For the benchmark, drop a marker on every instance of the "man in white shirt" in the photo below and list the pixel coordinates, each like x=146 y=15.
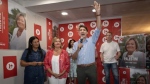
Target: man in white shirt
x=110 y=52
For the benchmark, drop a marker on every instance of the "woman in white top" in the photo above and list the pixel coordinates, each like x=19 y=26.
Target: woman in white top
x=18 y=40
x=57 y=63
x=73 y=64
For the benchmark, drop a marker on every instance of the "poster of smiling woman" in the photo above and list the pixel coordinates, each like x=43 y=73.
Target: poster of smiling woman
x=133 y=51
x=17 y=26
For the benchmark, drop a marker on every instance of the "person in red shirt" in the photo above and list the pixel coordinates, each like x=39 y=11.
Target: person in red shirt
x=57 y=63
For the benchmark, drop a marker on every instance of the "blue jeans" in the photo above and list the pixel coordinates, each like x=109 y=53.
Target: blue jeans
x=114 y=68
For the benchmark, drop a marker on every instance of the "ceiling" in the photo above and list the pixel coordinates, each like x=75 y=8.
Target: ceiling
x=82 y=9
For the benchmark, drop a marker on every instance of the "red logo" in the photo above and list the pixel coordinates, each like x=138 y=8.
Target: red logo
x=9 y=66
x=37 y=31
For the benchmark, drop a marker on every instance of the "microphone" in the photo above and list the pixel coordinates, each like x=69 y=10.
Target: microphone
x=81 y=41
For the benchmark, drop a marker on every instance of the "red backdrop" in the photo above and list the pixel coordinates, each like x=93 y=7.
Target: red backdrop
x=69 y=30
x=4 y=24
x=49 y=32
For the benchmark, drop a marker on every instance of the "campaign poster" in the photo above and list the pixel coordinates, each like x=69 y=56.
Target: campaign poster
x=17 y=26
x=9 y=66
x=4 y=42
x=132 y=51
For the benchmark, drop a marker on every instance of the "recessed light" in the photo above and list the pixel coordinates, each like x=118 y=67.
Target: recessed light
x=93 y=10
x=64 y=13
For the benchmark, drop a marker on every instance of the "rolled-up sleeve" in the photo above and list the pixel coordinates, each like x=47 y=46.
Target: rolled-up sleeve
x=95 y=35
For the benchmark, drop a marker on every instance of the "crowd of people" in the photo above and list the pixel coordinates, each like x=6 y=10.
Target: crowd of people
x=77 y=61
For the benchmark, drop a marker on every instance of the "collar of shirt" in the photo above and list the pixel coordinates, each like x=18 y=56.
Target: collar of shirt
x=84 y=41
x=35 y=51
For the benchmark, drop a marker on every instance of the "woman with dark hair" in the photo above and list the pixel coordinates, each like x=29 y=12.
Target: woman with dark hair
x=32 y=59
x=57 y=63
x=132 y=58
x=141 y=80
x=73 y=63
x=18 y=40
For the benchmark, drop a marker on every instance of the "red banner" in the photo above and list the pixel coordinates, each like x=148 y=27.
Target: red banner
x=124 y=76
x=9 y=66
x=37 y=31
x=4 y=24
x=49 y=32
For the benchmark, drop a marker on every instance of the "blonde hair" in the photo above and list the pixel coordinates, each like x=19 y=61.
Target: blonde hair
x=23 y=15
x=136 y=43
x=53 y=41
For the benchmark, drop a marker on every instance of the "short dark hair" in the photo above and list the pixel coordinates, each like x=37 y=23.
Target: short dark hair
x=83 y=27
x=109 y=32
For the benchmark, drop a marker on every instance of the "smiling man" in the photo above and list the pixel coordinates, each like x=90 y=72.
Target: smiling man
x=84 y=51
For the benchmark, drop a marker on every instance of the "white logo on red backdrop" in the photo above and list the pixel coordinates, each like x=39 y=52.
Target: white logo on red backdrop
x=70 y=34
x=49 y=23
x=70 y=26
x=105 y=31
x=93 y=24
x=116 y=24
x=124 y=72
x=62 y=40
x=92 y=31
x=49 y=34
x=9 y=66
x=105 y=23
x=1 y=2
x=103 y=72
x=103 y=79
x=124 y=76
x=38 y=32
x=61 y=29
x=116 y=37
x=104 y=39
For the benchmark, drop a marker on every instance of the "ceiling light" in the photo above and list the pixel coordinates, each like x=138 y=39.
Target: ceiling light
x=64 y=13
x=93 y=10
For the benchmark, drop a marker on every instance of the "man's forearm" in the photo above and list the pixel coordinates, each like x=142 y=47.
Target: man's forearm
x=98 y=19
x=101 y=55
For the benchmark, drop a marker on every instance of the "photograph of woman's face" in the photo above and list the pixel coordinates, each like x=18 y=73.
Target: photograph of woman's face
x=57 y=43
x=141 y=80
x=131 y=46
x=21 y=22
